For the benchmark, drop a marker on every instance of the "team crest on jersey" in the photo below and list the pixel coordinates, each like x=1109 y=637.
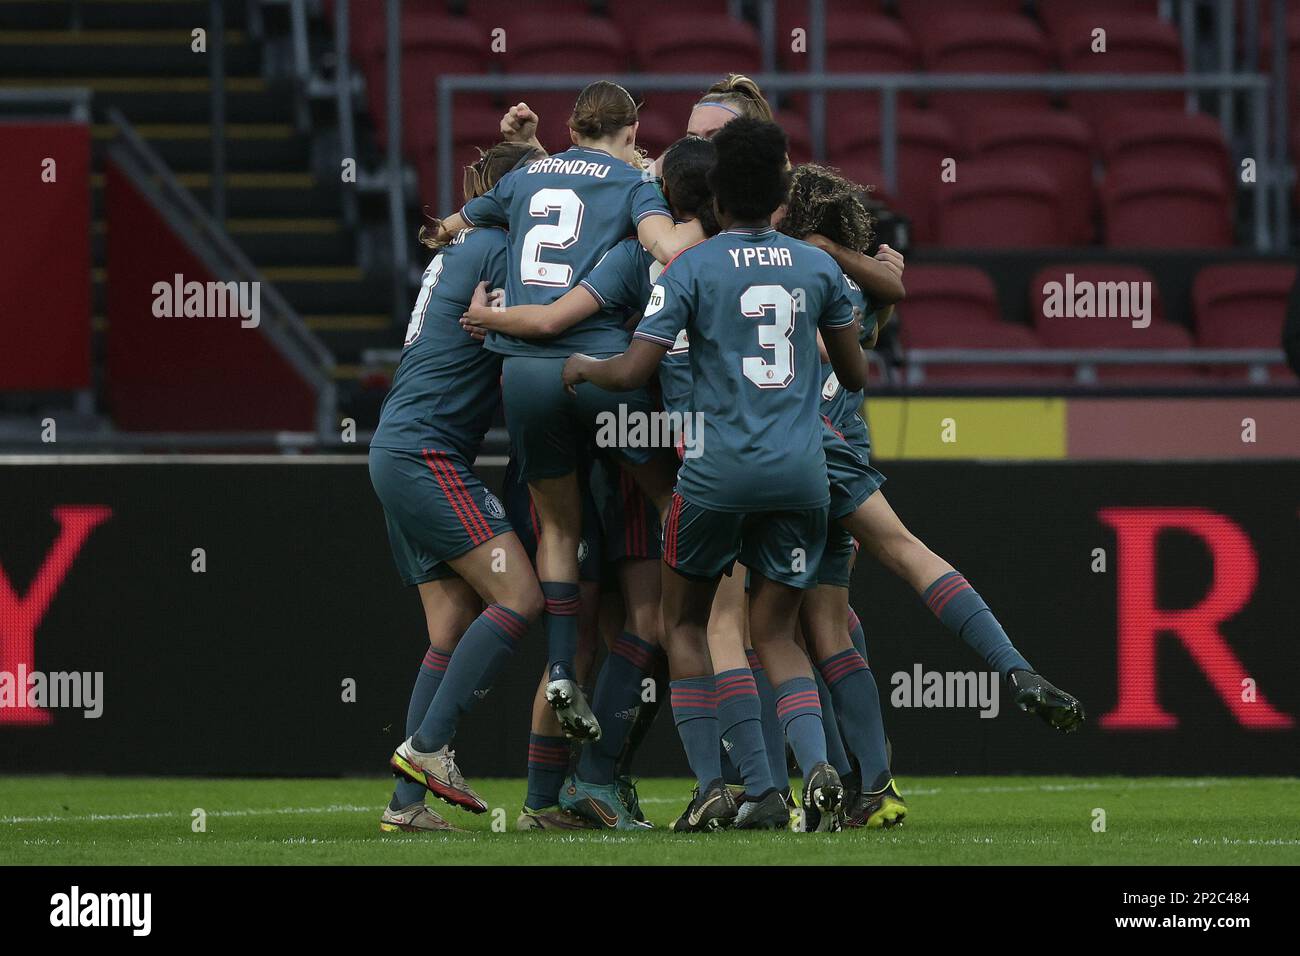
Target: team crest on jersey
x=583 y=550
x=493 y=505
x=680 y=344
x=830 y=388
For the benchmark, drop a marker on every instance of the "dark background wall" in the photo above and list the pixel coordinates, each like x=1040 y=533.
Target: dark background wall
x=239 y=670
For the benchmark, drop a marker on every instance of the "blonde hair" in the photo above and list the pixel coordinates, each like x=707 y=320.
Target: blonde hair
x=480 y=176
x=739 y=93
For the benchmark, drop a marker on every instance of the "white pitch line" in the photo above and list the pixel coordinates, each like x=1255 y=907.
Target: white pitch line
x=271 y=811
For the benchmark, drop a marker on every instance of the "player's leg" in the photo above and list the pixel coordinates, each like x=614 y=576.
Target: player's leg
x=699 y=546
x=499 y=572
x=960 y=608
x=783 y=551
x=450 y=606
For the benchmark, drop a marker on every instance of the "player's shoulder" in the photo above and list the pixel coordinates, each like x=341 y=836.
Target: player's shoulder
x=479 y=239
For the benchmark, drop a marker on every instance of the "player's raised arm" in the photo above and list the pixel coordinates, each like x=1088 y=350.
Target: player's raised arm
x=528 y=321
x=519 y=125
x=621 y=373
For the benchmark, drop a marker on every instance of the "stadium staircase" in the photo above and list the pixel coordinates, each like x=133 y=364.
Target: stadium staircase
x=282 y=210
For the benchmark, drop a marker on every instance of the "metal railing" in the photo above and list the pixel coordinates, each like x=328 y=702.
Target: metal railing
x=72 y=102
x=1087 y=361
x=212 y=245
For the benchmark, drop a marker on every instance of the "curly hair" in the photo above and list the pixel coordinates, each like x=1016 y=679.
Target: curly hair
x=824 y=202
x=751 y=176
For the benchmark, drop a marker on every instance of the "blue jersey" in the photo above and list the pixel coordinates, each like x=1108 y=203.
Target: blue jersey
x=565 y=212
x=623 y=278
x=751 y=301
x=447 y=385
x=837 y=403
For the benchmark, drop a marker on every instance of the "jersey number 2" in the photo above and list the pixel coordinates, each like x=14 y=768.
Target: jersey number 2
x=757 y=302
x=557 y=235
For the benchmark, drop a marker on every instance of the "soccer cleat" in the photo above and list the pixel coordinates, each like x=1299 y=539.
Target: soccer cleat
x=768 y=812
x=571 y=709
x=823 y=800
x=714 y=809
x=438 y=773
x=1033 y=694
x=883 y=809
x=417 y=818
x=600 y=804
x=628 y=795
x=551 y=818
x=852 y=784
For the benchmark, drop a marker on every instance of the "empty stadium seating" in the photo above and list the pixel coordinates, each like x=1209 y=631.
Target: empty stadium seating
x=1243 y=305
x=1134 y=44
x=962 y=42
x=998 y=205
x=1150 y=204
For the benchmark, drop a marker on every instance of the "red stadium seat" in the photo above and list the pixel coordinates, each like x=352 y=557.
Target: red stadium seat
x=997 y=205
x=1058 y=143
x=431 y=47
x=701 y=44
x=634 y=17
x=925 y=140
x=1147 y=205
x=965 y=42
x=1113 y=331
x=956 y=307
x=1241 y=305
x=505 y=13
x=796 y=128
x=1057 y=14
x=1165 y=136
x=922 y=16
x=473 y=128
x=1134 y=44
x=856 y=43
x=656 y=133
x=560 y=44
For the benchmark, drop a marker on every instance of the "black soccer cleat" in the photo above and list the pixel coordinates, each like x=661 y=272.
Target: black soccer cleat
x=1034 y=694
x=714 y=809
x=879 y=809
x=768 y=812
x=823 y=800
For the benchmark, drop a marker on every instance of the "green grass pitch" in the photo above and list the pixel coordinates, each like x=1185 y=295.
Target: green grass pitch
x=986 y=820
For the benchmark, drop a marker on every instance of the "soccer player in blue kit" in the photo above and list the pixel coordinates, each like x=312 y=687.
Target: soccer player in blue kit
x=449 y=534
x=563 y=213
x=751 y=302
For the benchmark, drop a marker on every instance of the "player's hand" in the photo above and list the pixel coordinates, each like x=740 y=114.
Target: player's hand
x=519 y=125
x=477 y=319
x=892 y=260
x=575 y=371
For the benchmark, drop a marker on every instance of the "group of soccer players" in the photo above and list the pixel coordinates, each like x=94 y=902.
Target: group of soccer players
x=716 y=286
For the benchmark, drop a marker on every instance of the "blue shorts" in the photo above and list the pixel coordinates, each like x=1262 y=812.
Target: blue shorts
x=435 y=507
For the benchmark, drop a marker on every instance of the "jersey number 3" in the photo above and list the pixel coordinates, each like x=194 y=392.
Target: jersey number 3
x=761 y=301
x=557 y=235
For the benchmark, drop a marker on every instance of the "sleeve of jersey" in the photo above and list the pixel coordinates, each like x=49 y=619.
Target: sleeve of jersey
x=838 y=311
x=648 y=201
x=609 y=281
x=666 y=313
x=490 y=209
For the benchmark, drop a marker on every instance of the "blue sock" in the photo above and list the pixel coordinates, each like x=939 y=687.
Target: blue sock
x=696 y=715
x=740 y=725
x=773 y=735
x=835 y=752
x=857 y=635
x=855 y=694
x=963 y=611
x=560 y=623
x=478 y=658
x=432 y=669
x=548 y=762
x=800 y=712
x=615 y=704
